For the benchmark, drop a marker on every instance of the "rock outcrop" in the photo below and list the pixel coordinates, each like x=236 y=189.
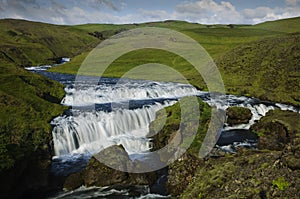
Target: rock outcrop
x=99 y=174
x=238 y=115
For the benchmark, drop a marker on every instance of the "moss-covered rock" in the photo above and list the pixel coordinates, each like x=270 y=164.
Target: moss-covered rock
x=238 y=115
x=181 y=173
x=277 y=129
x=169 y=129
x=99 y=174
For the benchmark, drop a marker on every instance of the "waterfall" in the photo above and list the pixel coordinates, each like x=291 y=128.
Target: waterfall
x=93 y=131
x=85 y=95
x=89 y=131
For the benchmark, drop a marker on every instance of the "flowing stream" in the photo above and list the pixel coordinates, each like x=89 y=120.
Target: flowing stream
x=111 y=111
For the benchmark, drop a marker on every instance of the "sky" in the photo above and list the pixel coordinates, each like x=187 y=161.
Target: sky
x=137 y=11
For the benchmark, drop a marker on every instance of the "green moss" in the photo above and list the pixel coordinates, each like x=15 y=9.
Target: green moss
x=168 y=121
x=260 y=134
x=280 y=183
x=209 y=180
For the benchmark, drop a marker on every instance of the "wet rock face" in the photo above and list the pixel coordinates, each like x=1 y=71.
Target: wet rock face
x=99 y=174
x=238 y=115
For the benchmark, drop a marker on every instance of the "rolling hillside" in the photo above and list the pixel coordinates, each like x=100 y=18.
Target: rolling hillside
x=28 y=43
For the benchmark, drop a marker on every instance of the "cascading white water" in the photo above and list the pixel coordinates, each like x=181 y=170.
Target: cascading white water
x=94 y=131
x=105 y=93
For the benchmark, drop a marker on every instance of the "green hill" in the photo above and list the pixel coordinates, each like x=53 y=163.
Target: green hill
x=268 y=69
x=32 y=43
x=285 y=25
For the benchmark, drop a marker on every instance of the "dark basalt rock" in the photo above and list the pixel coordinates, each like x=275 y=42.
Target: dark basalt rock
x=238 y=115
x=99 y=174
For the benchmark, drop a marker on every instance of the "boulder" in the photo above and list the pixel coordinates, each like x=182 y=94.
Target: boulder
x=280 y=130
x=113 y=170
x=238 y=115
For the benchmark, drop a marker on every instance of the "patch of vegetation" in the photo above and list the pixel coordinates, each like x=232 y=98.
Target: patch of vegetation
x=260 y=134
x=173 y=115
x=26 y=43
x=28 y=102
x=250 y=174
x=267 y=69
x=280 y=183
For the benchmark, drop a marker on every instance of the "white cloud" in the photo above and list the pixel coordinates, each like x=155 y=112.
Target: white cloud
x=208 y=11
x=100 y=11
x=261 y=14
x=108 y=3
x=153 y=15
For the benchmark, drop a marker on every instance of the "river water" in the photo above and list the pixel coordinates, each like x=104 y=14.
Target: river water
x=111 y=111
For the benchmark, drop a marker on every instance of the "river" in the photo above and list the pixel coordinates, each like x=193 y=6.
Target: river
x=111 y=111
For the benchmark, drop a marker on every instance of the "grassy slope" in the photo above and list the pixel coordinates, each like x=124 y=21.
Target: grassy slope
x=285 y=25
x=215 y=39
x=28 y=101
x=31 y=43
x=268 y=69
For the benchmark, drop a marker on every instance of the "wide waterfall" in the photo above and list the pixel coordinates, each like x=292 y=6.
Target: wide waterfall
x=94 y=131
x=101 y=114
x=87 y=94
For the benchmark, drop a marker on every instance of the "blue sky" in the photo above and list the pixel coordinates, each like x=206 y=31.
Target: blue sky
x=136 y=11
